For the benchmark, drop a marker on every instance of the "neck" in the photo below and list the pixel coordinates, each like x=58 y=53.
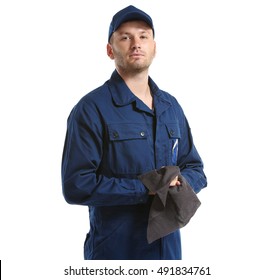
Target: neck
x=139 y=86
x=137 y=82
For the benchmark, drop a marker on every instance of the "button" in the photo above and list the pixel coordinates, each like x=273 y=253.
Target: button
x=115 y=134
x=142 y=134
x=171 y=132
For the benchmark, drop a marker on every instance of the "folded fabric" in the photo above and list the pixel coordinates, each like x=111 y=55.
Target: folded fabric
x=172 y=207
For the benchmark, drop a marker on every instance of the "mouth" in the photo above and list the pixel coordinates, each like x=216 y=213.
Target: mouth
x=136 y=55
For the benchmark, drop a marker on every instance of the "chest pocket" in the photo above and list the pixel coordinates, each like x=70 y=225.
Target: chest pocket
x=121 y=132
x=174 y=135
x=129 y=149
x=173 y=130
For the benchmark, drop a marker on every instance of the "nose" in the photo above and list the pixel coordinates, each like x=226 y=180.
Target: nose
x=136 y=42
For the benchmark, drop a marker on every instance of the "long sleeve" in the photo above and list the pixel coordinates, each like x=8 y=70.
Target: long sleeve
x=83 y=150
x=189 y=160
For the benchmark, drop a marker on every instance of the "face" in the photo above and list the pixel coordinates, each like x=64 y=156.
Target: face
x=132 y=47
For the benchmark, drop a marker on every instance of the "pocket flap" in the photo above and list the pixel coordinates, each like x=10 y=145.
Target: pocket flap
x=173 y=130
x=127 y=131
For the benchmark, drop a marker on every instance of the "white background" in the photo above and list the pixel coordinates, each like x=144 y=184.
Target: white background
x=215 y=57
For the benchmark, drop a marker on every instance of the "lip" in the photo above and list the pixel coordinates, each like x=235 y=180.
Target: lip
x=136 y=55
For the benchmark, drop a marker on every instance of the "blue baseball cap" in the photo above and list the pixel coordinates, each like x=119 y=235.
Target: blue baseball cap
x=128 y=14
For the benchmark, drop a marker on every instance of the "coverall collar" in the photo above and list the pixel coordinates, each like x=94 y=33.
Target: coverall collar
x=123 y=96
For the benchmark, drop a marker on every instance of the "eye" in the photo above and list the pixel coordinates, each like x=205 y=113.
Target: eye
x=144 y=36
x=125 y=37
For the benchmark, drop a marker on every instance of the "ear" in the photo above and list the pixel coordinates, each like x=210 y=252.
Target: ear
x=155 y=49
x=110 y=51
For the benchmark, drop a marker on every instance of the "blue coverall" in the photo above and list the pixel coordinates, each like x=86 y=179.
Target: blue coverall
x=112 y=137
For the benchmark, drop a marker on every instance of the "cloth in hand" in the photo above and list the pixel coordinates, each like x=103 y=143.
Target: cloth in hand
x=172 y=207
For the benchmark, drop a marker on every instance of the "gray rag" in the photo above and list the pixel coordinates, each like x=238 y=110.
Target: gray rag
x=172 y=207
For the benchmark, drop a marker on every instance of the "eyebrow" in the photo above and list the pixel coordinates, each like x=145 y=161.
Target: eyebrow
x=129 y=33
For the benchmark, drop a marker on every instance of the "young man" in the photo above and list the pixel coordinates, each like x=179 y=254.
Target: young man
x=123 y=129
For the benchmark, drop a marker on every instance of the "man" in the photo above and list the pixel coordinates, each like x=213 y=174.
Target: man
x=123 y=129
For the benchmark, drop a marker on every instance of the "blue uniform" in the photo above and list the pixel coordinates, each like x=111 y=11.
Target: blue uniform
x=112 y=137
